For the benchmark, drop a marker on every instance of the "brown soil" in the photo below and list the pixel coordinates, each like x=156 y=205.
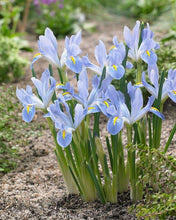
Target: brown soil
x=35 y=189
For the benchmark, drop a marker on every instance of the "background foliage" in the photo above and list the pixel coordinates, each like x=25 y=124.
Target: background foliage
x=13 y=133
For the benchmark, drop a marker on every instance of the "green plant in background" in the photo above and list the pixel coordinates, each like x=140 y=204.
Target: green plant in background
x=144 y=9
x=61 y=16
x=12 y=133
x=11 y=63
x=167 y=55
x=160 y=204
x=9 y=18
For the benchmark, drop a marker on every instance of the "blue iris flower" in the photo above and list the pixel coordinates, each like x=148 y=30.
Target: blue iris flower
x=145 y=50
x=71 y=53
x=148 y=34
x=47 y=48
x=112 y=61
x=169 y=86
x=118 y=111
x=92 y=100
x=121 y=52
x=45 y=87
x=63 y=120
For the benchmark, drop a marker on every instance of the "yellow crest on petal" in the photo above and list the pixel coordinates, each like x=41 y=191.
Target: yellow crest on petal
x=65 y=93
x=28 y=108
x=115 y=119
x=59 y=84
x=106 y=103
x=90 y=108
x=155 y=109
x=148 y=53
x=115 y=67
x=138 y=84
x=73 y=60
x=174 y=91
x=37 y=54
x=112 y=47
x=63 y=134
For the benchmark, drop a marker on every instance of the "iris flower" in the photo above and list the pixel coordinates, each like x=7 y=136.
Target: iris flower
x=148 y=34
x=91 y=100
x=63 y=120
x=47 y=48
x=113 y=62
x=169 y=86
x=145 y=50
x=70 y=55
x=121 y=51
x=118 y=112
x=30 y=101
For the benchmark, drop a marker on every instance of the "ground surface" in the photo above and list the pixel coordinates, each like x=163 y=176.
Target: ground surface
x=35 y=189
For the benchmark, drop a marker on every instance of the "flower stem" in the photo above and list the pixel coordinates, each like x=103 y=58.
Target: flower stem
x=69 y=181
x=139 y=72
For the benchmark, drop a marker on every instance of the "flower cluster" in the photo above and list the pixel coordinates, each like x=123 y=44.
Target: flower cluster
x=70 y=110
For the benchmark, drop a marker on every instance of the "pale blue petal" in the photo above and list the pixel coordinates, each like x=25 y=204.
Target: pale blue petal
x=129 y=65
x=83 y=77
x=147 y=44
x=75 y=67
x=36 y=57
x=111 y=110
x=114 y=125
x=47 y=49
x=156 y=112
x=73 y=50
x=103 y=107
x=171 y=74
x=100 y=54
x=93 y=109
x=136 y=103
x=76 y=39
x=154 y=76
x=49 y=34
x=28 y=116
x=149 y=59
x=117 y=72
x=79 y=115
x=136 y=34
x=38 y=85
x=143 y=111
x=149 y=88
x=93 y=67
x=83 y=91
x=64 y=138
x=67 y=42
x=128 y=36
x=172 y=95
x=49 y=93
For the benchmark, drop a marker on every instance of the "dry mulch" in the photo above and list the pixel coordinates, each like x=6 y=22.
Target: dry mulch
x=35 y=189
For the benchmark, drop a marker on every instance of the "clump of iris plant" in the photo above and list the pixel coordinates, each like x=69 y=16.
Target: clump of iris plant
x=86 y=168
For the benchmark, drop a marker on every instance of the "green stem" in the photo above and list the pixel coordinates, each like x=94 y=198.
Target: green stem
x=157 y=129
x=139 y=71
x=114 y=140
x=69 y=181
x=131 y=165
x=123 y=178
x=170 y=138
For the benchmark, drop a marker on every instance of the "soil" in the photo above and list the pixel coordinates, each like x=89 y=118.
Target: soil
x=35 y=189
